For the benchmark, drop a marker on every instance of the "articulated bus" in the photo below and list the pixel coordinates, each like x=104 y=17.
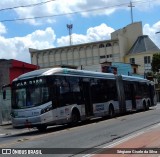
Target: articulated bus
x=66 y=96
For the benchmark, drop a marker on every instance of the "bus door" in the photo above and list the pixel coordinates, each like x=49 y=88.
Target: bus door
x=151 y=93
x=121 y=95
x=58 y=96
x=87 y=97
x=133 y=94
x=54 y=92
x=62 y=98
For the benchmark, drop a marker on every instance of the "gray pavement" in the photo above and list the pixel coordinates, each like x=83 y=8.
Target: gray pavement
x=7 y=129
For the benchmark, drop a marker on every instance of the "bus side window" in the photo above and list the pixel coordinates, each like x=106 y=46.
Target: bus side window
x=112 y=90
x=64 y=91
x=96 y=91
x=76 y=96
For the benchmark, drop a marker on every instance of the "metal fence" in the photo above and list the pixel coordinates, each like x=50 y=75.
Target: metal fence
x=5 y=108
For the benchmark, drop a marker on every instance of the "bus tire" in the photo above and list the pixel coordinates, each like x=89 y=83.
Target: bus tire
x=111 y=111
x=75 y=117
x=42 y=128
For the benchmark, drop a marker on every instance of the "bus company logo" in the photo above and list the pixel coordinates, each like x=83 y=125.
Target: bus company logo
x=66 y=110
x=6 y=151
x=100 y=107
x=61 y=112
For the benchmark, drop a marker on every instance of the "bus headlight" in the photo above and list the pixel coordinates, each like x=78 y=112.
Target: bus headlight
x=12 y=114
x=47 y=109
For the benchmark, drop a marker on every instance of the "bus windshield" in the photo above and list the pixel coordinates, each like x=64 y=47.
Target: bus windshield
x=30 y=96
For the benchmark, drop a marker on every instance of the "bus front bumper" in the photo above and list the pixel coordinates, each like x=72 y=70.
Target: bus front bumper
x=29 y=122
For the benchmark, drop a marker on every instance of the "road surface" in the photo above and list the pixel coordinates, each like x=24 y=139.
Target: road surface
x=83 y=138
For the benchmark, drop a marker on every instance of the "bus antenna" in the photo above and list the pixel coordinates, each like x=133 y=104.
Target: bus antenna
x=70 y=26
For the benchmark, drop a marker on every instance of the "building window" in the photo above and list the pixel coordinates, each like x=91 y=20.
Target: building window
x=108 y=45
x=147 y=59
x=101 y=45
x=109 y=56
x=115 y=44
x=101 y=57
x=134 y=70
x=132 y=60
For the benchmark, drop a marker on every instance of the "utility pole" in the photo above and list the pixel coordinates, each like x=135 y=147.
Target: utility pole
x=70 y=26
x=131 y=6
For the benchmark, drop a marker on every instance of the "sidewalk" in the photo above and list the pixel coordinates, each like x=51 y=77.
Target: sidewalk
x=147 y=142
x=7 y=129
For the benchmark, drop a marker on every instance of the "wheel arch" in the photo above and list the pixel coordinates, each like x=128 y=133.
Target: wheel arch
x=111 y=110
x=76 y=111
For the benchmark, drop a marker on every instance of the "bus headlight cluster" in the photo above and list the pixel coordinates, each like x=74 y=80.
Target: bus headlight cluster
x=48 y=108
x=13 y=114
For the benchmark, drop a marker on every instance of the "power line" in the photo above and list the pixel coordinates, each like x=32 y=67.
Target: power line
x=64 y=14
x=131 y=6
x=25 y=6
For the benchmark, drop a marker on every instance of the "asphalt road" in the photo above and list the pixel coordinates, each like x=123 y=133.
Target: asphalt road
x=85 y=136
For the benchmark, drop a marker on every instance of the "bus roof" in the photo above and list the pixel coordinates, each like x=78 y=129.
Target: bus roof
x=74 y=72
x=63 y=71
x=134 y=78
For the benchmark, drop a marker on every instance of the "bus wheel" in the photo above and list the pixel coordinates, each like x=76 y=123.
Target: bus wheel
x=111 y=111
x=75 y=118
x=42 y=128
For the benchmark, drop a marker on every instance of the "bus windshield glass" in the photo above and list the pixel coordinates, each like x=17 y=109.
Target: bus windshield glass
x=20 y=98
x=26 y=95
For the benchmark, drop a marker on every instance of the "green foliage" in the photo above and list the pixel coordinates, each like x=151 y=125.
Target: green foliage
x=158 y=78
x=150 y=73
x=156 y=62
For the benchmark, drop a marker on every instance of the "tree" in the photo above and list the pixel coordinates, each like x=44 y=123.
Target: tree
x=156 y=62
x=156 y=66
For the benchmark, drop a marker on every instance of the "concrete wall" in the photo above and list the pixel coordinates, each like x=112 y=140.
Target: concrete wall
x=4 y=73
x=96 y=68
x=130 y=32
x=94 y=53
x=84 y=54
x=5 y=108
x=123 y=69
x=139 y=59
x=114 y=50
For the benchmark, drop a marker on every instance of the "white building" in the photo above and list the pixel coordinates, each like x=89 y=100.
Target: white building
x=90 y=55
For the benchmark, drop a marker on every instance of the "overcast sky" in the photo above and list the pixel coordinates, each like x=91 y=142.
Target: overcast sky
x=93 y=20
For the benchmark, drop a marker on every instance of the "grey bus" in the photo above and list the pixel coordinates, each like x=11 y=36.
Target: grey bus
x=54 y=96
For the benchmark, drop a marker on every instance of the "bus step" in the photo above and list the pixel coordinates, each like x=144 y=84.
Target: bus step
x=90 y=117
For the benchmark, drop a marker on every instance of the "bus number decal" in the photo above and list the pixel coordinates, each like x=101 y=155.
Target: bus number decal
x=67 y=110
x=61 y=112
